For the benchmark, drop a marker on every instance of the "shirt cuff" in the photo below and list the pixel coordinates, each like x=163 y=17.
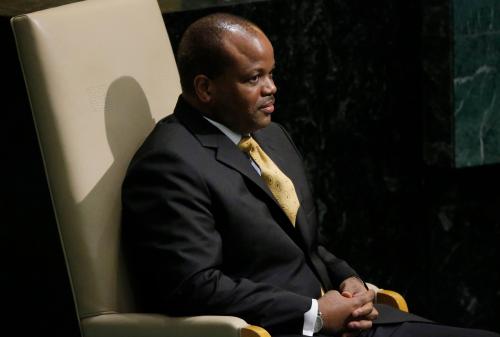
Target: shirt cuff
x=310 y=319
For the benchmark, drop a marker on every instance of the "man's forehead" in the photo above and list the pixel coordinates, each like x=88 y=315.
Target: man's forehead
x=229 y=27
x=244 y=44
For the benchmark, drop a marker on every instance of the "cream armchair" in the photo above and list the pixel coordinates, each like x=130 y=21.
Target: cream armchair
x=99 y=74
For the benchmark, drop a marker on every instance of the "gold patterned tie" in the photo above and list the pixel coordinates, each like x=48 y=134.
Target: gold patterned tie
x=280 y=185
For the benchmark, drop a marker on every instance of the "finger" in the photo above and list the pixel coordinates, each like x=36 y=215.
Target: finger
x=347 y=294
x=359 y=325
x=365 y=310
x=358 y=290
x=370 y=317
x=373 y=315
x=359 y=293
x=366 y=297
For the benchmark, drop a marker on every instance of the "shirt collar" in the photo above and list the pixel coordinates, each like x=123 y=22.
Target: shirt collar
x=233 y=136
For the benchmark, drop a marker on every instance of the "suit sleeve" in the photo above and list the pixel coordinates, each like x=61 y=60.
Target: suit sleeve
x=175 y=250
x=338 y=269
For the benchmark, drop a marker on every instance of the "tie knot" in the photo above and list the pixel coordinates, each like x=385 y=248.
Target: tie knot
x=247 y=144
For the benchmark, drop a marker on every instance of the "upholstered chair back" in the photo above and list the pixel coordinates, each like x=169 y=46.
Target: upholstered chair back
x=99 y=75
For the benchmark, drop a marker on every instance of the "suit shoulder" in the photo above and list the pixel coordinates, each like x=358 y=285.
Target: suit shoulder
x=274 y=128
x=169 y=138
x=168 y=134
x=276 y=133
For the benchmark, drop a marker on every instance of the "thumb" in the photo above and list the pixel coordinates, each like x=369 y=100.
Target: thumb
x=347 y=294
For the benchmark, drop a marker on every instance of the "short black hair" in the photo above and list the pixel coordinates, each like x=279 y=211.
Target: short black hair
x=201 y=49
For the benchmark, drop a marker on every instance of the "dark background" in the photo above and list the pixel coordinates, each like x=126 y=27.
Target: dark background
x=352 y=93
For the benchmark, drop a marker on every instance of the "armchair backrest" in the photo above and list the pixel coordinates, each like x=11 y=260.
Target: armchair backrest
x=99 y=74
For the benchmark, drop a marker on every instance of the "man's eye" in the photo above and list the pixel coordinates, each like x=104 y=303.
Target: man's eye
x=254 y=79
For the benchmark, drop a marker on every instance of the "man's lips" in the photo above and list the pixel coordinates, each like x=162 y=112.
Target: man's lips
x=267 y=107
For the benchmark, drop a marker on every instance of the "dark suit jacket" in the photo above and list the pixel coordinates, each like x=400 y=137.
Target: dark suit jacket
x=204 y=234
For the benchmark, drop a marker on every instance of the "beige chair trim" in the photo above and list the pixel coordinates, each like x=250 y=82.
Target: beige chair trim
x=158 y=325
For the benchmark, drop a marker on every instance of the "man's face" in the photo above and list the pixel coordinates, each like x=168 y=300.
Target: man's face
x=243 y=96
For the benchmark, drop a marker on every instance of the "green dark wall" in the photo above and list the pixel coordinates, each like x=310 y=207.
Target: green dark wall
x=476 y=81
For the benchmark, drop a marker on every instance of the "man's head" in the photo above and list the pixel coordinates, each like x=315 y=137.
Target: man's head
x=225 y=64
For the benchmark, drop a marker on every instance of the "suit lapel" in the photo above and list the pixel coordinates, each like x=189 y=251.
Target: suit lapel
x=230 y=155
x=211 y=137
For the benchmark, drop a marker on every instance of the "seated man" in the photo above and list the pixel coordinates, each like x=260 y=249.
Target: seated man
x=218 y=217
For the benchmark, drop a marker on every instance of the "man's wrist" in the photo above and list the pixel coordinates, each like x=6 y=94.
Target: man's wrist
x=310 y=318
x=318 y=324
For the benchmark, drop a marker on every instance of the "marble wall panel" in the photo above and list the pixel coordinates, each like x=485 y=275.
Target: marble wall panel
x=476 y=81
x=461 y=46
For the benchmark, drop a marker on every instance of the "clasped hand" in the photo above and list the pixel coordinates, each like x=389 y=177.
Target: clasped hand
x=348 y=310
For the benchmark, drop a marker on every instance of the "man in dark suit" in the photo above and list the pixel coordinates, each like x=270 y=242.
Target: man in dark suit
x=212 y=229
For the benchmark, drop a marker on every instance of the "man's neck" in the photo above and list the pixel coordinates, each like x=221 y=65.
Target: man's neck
x=193 y=102
x=206 y=113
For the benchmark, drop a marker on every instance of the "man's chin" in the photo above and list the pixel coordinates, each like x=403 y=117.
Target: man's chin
x=260 y=125
x=265 y=122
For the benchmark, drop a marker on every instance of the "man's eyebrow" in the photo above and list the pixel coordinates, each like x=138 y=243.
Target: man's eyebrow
x=259 y=69
x=272 y=68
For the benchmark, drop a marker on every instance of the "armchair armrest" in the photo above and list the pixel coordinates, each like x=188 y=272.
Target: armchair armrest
x=254 y=331
x=392 y=298
x=389 y=297
x=157 y=325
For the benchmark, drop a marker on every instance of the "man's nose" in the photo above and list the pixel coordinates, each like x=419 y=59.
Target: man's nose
x=269 y=87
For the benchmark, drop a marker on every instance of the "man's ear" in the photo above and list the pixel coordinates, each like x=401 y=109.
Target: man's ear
x=203 y=88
